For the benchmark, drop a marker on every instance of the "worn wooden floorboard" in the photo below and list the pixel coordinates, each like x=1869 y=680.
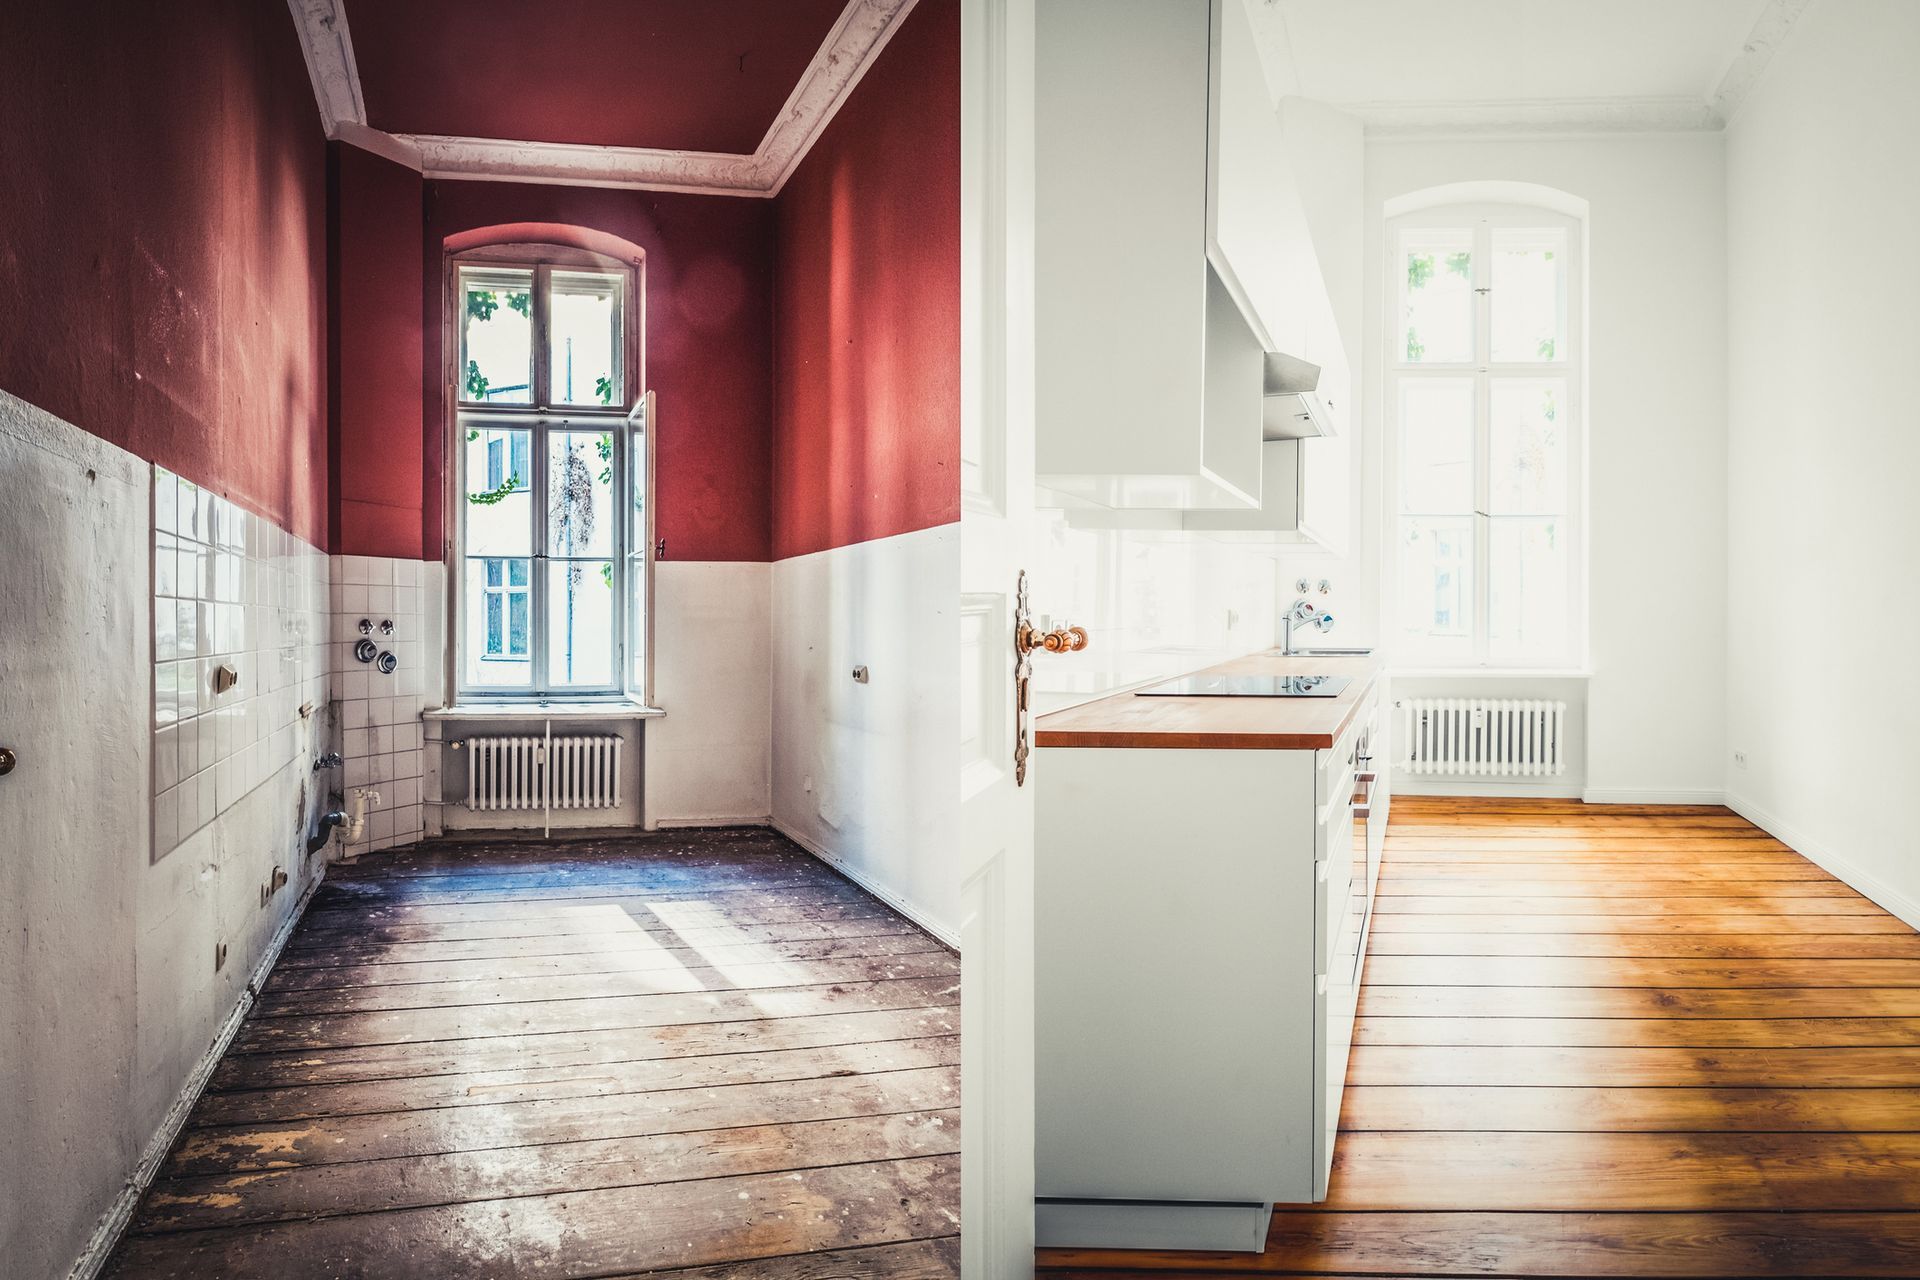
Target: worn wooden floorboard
x=1611 y=1041
x=934 y=1016
x=705 y=1055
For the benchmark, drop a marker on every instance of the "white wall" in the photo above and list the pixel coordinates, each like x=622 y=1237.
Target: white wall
x=1656 y=428
x=1155 y=604
x=110 y=999
x=710 y=758
x=1824 y=443
x=863 y=773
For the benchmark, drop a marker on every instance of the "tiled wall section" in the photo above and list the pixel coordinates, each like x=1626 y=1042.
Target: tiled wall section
x=379 y=713
x=231 y=590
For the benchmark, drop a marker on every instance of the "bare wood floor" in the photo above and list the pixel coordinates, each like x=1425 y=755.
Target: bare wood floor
x=1619 y=1041
x=702 y=1052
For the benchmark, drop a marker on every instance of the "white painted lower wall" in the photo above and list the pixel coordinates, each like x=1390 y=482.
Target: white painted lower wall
x=709 y=760
x=863 y=773
x=110 y=1003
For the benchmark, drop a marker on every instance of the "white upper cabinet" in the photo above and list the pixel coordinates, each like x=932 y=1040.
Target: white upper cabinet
x=1257 y=236
x=1172 y=251
x=1147 y=374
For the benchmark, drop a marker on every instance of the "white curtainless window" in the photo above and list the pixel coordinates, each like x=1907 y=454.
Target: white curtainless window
x=553 y=463
x=1484 y=408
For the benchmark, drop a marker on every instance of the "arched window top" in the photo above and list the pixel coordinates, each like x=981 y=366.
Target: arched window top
x=1488 y=191
x=534 y=237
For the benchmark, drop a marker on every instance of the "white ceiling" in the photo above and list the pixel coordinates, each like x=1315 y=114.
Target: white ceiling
x=1403 y=64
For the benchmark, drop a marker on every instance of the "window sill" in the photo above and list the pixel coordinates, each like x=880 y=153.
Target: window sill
x=1496 y=673
x=598 y=710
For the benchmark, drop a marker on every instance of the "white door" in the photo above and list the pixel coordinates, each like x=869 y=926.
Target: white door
x=996 y=364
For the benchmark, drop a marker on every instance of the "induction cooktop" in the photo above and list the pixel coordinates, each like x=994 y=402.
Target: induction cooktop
x=1249 y=687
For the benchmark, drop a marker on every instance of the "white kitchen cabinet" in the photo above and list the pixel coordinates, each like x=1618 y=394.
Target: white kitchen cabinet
x=1146 y=364
x=1201 y=917
x=1172 y=249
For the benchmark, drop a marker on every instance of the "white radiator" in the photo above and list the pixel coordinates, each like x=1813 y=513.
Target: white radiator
x=1509 y=737
x=535 y=773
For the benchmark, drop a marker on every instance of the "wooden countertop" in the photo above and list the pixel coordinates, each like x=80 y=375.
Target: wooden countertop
x=1247 y=724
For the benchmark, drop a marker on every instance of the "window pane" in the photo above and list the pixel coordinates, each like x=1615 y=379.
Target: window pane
x=1528 y=446
x=499 y=515
x=580 y=607
x=497 y=643
x=1437 y=296
x=1436 y=451
x=584 y=336
x=1436 y=586
x=496 y=623
x=496 y=336
x=1529 y=297
x=1527 y=589
x=580 y=514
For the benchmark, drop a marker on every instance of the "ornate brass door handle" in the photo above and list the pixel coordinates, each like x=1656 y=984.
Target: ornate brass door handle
x=1058 y=640
x=1026 y=641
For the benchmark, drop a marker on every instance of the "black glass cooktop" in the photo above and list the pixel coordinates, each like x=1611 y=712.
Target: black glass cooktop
x=1249 y=687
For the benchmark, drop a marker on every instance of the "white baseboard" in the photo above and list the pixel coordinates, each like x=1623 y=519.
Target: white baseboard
x=1883 y=894
x=113 y=1223
x=879 y=891
x=1501 y=788
x=694 y=824
x=1653 y=795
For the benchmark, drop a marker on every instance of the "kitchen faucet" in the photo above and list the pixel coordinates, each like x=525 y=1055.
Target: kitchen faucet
x=1301 y=612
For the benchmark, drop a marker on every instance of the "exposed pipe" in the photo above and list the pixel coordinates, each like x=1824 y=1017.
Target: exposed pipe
x=323 y=834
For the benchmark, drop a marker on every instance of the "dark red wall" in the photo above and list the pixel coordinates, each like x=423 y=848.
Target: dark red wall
x=377 y=378
x=867 y=305
x=708 y=350
x=162 y=239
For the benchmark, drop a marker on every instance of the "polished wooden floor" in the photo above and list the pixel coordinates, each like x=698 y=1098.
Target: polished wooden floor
x=1619 y=1041
x=703 y=1053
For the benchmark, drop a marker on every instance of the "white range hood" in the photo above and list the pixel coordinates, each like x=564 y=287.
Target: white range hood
x=1293 y=408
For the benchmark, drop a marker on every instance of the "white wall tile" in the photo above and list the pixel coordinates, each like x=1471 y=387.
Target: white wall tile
x=228 y=588
x=379 y=713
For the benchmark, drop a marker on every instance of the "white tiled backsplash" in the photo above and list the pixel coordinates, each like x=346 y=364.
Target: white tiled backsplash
x=380 y=727
x=232 y=590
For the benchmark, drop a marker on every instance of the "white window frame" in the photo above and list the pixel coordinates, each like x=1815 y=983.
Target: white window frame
x=1483 y=220
x=628 y=421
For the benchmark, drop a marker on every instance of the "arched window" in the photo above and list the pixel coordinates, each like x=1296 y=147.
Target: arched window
x=1485 y=412
x=553 y=459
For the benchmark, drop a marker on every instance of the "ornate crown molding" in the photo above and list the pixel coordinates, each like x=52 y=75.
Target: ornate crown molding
x=322 y=25
x=857 y=38
x=1770 y=31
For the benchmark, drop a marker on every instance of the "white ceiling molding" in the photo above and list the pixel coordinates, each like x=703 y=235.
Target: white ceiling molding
x=855 y=41
x=322 y=25
x=1770 y=31
x=1542 y=116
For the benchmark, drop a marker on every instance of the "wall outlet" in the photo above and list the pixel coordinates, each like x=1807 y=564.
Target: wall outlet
x=1739 y=759
x=273 y=885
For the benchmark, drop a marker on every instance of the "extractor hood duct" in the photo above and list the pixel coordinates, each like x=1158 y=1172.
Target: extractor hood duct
x=1293 y=408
